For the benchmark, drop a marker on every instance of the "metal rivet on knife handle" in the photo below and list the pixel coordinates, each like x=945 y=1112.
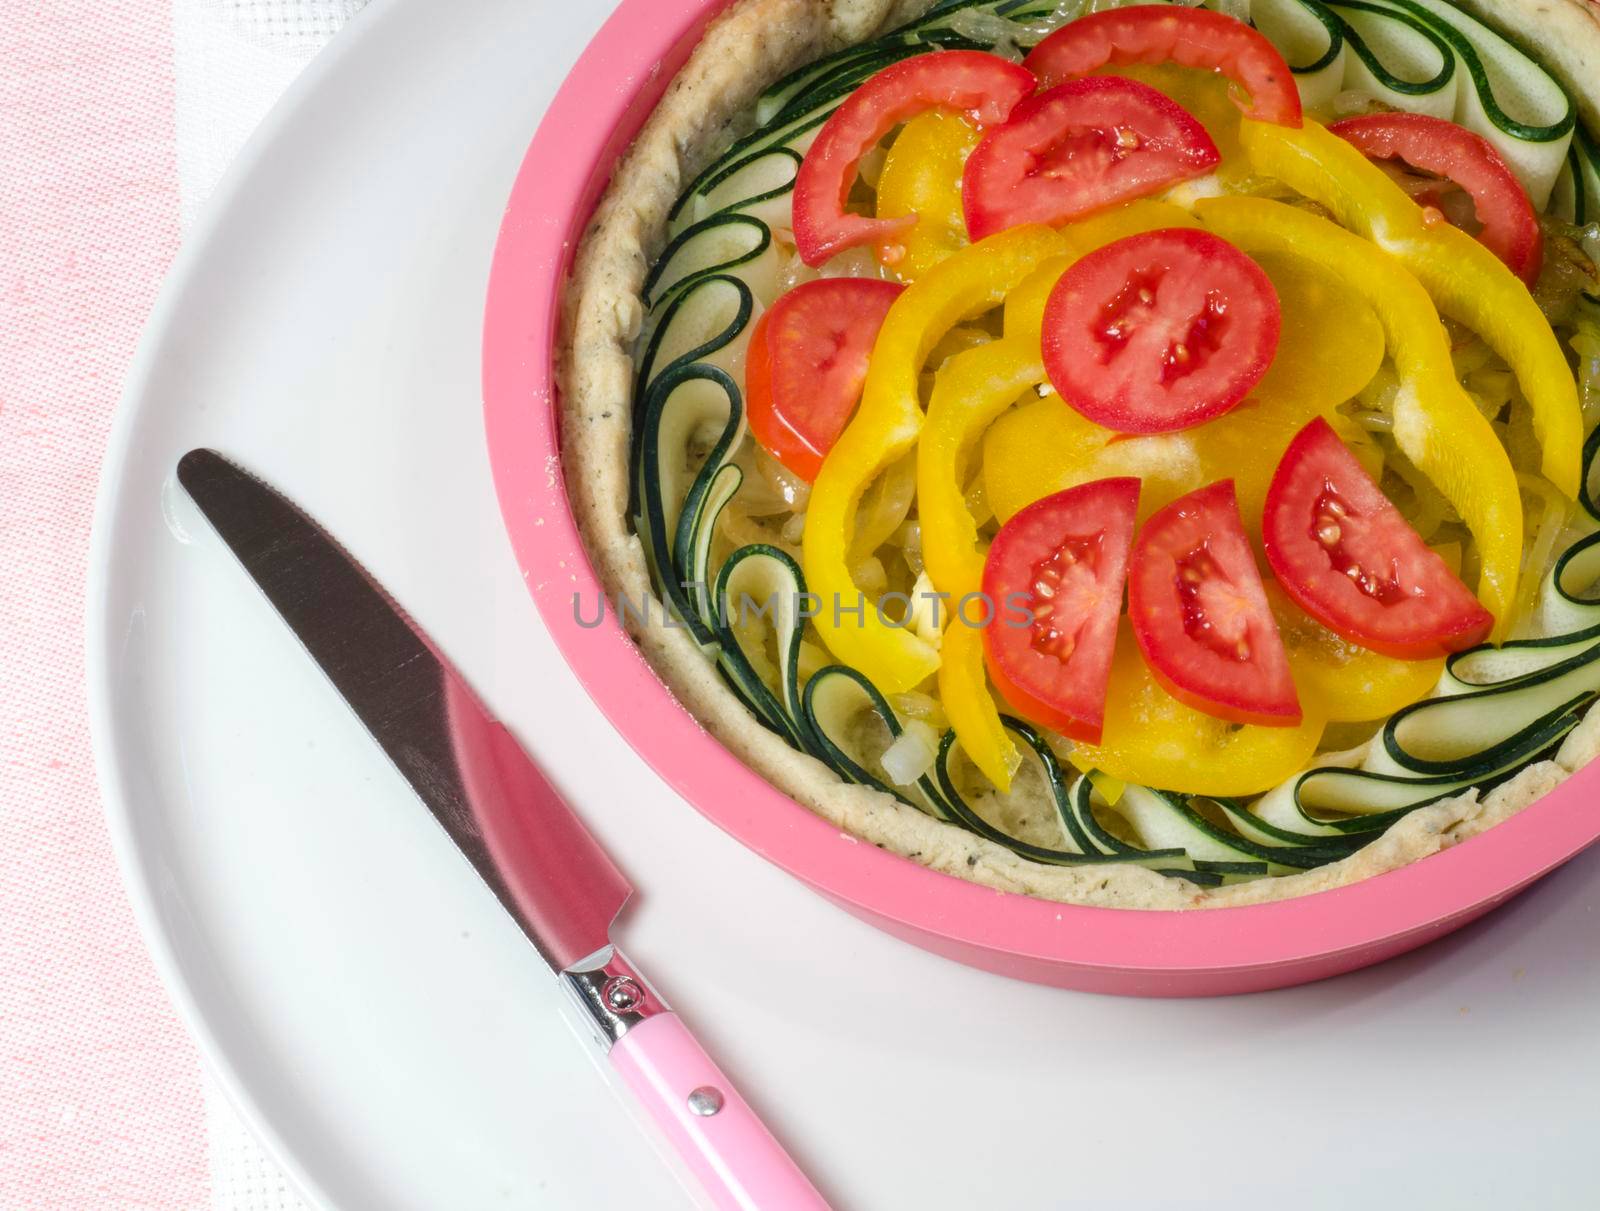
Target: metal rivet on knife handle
x=622 y=994
x=613 y=996
x=705 y=1101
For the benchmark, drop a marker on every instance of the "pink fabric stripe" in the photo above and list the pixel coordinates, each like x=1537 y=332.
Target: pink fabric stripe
x=99 y=1098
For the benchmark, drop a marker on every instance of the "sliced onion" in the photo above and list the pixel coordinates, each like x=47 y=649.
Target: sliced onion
x=1539 y=553
x=1586 y=344
x=912 y=753
x=1009 y=38
x=915 y=705
x=1589 y=241
x=795 y=272
x=785 y=484
x=869 y=577
x=884 y=505
x=1002 y=36
x=909 y=539
x=1353 y=101
x=928 y=614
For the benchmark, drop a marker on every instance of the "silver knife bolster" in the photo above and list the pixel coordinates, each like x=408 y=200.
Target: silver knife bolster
x=613 y=997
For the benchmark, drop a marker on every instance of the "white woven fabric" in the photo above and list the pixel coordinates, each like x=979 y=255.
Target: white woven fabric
x=233 y=61
x=243 y=1177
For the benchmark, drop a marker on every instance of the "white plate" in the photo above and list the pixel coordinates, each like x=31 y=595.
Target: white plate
x=377 y=1018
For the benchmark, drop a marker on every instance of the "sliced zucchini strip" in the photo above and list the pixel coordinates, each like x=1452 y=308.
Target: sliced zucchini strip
x=1272 y=839
x=1084 y=826
x=1480 y=733
x=678 y=503
x=758 y=185
x=1505 y=95
x=723 y=243
x=834 y=700
x=697 y=527
x=1488 y=666
x=1569 y=605
x=1311 y=37
x=1161 y=817
x=1352 y=801
x=1164 y=821
x=703 y=324
x=759 y=585
x=1333 y=800
x=792 y=130
x=1591 y=463
x=1577 y=191
x=1080 y=846
x=700 y=323
x=1398 y=58
x=805 y=81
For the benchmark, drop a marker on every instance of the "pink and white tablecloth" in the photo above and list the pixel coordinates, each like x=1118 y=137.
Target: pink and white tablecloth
x=116 y=119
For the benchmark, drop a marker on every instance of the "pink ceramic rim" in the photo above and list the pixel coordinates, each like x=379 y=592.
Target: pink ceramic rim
x=596 y=113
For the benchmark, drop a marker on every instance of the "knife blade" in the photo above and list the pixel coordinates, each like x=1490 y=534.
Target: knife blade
x=504 y=816
x=461 y=762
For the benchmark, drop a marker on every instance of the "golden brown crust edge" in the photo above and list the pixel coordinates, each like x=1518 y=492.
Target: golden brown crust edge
x=753 y=43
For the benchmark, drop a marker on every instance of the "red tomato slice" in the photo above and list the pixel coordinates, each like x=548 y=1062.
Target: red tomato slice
x=1160 y=331
x=1061 y=562
x=984 y=86
x=1202 y=618
x=1509 y=227
x=1078 y=148
x=806 y=364
x=1351 y=561
x=1189 y=37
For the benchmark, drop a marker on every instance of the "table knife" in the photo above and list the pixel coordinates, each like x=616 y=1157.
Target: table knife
x=523 y=839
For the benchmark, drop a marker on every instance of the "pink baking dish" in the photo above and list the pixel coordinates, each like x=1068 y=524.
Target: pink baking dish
x=592 y=119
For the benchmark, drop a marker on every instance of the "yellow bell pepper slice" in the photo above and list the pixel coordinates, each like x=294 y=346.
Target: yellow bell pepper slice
x=964 y=691
x=1435 y=423
x=1330 y=346
x=969 y=392
x=1340 y=680
x=1468 y=283
x=1152 y=739
x=922 y=176
x=884 y=428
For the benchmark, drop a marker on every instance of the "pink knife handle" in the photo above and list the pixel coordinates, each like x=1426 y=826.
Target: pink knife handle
x=731 y=1152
